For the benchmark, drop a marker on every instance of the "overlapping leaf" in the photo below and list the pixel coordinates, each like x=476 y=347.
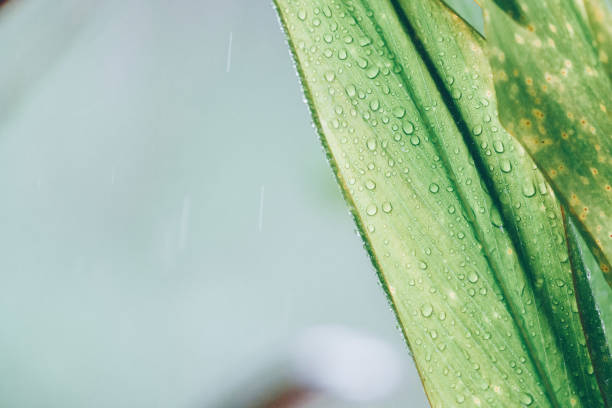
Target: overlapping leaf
x=597 y=322
x=551 y=63
x=463 y=230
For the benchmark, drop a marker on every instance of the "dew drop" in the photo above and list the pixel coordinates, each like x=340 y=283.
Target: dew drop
x=365 y=41
x=426 y=310
x=506 y=166
x=371 y=209
x=301 y=14
x=414 y=140
x=477 y=130
x=473 y=277
x=351 y=91
x=456 y=94
x=529 y=189
x=399 y=112
x=330 y=76
x=498 y=146
x=372 y=72
x=374 y=105
x=342 y=54
x=387 y=207
x=526 y=398
x=370 y=185
x=408 y=127
x=434 y=188
x=371 y=143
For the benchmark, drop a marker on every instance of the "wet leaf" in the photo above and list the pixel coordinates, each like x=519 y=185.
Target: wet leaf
x=552 y=76
x=462 y=228
x=594 y=299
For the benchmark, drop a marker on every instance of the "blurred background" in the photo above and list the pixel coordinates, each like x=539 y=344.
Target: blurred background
x=172 y=234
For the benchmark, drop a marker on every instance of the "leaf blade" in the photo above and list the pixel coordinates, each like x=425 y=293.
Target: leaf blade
x=353 y=86
x=554 y=97
x=595 y=318
x=532 y=217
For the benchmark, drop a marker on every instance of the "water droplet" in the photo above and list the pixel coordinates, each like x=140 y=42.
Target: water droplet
x=399 y=112
x=434 y=188
x=316 y=22
x=451 y=209
x=526 y=398
x=422 y=265
x=529 y=189
x=498 y=146
x=496 y=218
x=387 y=207
x=542 y=188
x=426 y=310
x=351 y=91
x=342 y=54
x=348 y=39
x=370 y=185
x=506 y=166
x=301 y=14
x=364 y=41
x=374 y=105
x=362 y=62
x=371 y=209
x=456 y=94
x=472 y=277
x=372 y=72
x=330 y=76
x=414 y=140
x=408 y=127
x=477 y=130
x=371 y=143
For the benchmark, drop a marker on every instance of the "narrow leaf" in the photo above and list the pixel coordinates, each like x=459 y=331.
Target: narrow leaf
x=435 y=222
x=529 y=211
x=594 y=308
x=554 y=96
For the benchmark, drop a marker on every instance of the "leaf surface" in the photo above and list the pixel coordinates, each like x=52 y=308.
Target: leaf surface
x=552 y=77
x=594 y=299
x=474 y=262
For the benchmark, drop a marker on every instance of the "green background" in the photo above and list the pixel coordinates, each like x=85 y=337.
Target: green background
x=134 y=271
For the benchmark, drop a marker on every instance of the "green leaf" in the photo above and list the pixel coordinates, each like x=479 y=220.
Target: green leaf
x=600 y=23
x=554 y=88
x=594 y=299
x=463 y=230
x=530 y=214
